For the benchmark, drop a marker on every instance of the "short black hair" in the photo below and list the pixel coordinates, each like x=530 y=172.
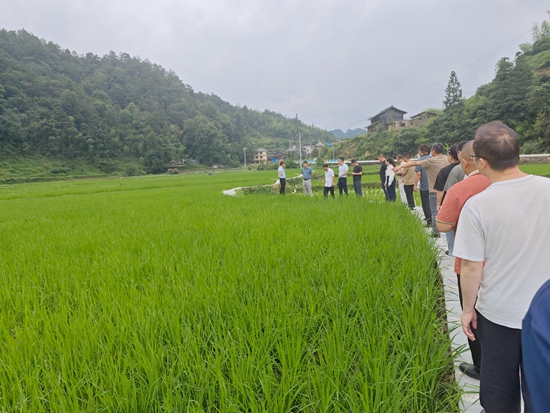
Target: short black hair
x=424 y=148
x=342 y=159
x=498 y=144
x=353 y=160
x=325 y=165
x=453 y=152
x=460 y=145
x=407 y=155
x=282 y=163
x=305 y=162
x=438 y=147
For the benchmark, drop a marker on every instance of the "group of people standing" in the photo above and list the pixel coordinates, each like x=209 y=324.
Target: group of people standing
x=431 y=174
x=328 y=181
x=343 y=170
x=500 y=217
x=405 y=179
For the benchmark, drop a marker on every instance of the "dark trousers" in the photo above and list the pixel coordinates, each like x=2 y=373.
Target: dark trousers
x=425 y=198
x=390 y=190
x=328 y=189
x=343 y=185
x=385 y=190
x=501 y=368
x=475 y=346
x=283 y=186
x=357 y=188
x=409 y=189
x=433 y=207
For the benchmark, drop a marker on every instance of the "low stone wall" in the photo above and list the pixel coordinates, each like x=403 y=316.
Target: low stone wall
x=539 y=158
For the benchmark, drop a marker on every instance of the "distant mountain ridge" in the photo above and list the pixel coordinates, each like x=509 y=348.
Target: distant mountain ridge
x=350 y=133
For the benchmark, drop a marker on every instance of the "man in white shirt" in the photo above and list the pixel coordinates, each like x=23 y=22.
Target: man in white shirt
x=282 y=177
x=342 y=176
x=328 y=181
x=503 y=242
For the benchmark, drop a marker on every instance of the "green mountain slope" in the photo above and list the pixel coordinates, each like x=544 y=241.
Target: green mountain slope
x=116 y=108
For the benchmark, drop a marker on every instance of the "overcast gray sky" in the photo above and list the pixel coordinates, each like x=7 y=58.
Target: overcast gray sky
x=334 y=63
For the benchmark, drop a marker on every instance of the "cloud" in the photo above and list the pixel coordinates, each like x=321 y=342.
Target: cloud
x=333 y=63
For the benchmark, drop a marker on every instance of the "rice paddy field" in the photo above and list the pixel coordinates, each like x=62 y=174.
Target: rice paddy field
x=160 y=294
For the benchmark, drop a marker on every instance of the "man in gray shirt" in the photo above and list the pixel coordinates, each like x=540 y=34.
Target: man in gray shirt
x=307 y=174
x=457 y=174
x=422 y=177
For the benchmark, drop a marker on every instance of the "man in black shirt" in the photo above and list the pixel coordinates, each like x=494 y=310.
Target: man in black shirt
x=382 y=160
x=357 y=173
x=444 y=174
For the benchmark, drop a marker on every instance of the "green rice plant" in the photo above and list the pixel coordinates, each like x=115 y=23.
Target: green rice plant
x=541 y=169
x=160 y=294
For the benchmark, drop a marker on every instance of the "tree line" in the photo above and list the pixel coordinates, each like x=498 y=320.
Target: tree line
x=54 y=102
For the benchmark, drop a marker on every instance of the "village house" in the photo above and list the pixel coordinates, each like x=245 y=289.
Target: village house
x=422 y=118
x=307 y=148
x=175 y=165
x=260 y=157
x=392 y=119
x=400 y=124
x=278 y=155
x=386 y=117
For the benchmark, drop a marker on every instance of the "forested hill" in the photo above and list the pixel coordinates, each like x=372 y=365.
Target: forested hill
x=519 y=95
x=54 y=102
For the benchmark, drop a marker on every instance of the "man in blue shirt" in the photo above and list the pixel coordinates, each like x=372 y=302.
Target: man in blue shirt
x=423 y=153
x=535 y=342
x=307 y=174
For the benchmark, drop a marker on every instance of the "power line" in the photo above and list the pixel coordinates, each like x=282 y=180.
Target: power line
x=456 y=71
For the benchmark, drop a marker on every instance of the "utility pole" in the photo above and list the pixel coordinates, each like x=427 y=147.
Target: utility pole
x=244 y=149
x=300 y=143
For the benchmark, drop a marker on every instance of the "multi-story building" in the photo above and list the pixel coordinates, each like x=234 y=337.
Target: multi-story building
x=261 y=156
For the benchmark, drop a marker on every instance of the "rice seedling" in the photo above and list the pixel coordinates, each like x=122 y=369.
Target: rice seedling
x=163 y=295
